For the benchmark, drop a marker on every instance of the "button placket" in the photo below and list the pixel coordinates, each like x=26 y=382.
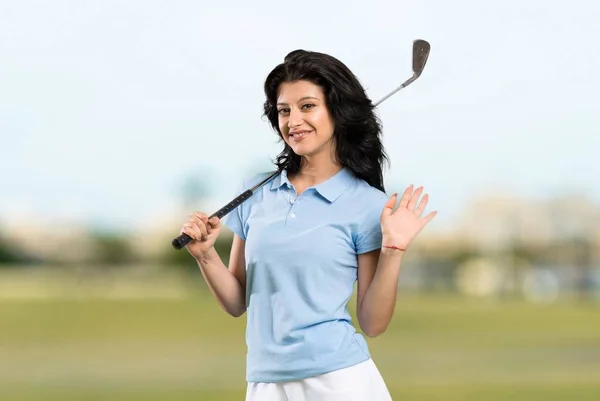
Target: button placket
x=293 y=201
x=293 y=205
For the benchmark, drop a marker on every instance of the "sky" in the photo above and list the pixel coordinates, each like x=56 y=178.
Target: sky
x=107 y=107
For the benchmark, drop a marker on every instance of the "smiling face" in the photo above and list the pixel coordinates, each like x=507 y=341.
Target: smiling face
x=304 y=120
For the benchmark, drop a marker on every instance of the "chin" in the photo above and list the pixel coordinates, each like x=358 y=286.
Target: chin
x=302 y=150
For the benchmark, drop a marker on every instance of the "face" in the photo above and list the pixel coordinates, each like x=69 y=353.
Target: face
x=304 y=120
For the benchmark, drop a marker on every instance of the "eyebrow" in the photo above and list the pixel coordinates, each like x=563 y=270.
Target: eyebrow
x=304 y=98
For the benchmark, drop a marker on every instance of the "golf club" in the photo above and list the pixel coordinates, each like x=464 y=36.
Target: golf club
x=420 y=54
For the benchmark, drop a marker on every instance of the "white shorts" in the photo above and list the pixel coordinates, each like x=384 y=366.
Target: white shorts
x=361 y=382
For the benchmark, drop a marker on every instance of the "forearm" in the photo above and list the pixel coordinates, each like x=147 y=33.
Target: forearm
x=377 y=308
x=222 y=283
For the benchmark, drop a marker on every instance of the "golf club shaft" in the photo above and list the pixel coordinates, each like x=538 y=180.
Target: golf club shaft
x=404 y=85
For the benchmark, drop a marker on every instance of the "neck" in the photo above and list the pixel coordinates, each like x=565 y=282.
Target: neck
x=317 y=168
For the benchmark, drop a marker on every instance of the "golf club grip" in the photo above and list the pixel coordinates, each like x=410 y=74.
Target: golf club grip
x=181 y=241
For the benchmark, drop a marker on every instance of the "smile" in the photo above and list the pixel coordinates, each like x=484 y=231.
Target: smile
x=298 y=135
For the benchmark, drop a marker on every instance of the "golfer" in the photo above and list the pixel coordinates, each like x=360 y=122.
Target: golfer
x=303 y=240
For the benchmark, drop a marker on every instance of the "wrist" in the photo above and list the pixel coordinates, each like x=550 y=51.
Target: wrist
x=394 y=247
x=391 y=245
x=206 y=255
x=392 y=250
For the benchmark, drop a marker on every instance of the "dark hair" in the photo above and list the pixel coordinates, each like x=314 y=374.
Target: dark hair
x=357 y=132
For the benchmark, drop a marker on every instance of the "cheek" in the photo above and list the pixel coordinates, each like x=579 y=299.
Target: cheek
x=324 y=127
x=322 y=122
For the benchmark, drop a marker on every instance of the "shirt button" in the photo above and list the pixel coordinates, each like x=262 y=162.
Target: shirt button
x=293 y=215
x=292 y=201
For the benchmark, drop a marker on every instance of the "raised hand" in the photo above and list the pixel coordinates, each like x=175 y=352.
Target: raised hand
x=400 y=226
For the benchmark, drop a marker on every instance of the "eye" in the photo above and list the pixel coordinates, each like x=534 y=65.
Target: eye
x=283 y=111
x=308 y=106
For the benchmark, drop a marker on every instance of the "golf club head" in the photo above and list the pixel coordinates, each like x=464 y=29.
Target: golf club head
x=421 y=50
x=420 y=54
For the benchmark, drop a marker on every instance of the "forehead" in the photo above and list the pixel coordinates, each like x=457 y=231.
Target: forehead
x=293 y=91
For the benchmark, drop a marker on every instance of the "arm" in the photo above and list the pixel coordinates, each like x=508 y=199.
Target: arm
x=378 y=273
x=378 y=270
x=228 y=285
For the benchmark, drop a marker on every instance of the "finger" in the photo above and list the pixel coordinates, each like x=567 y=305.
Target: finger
x=198 y=219
x=422 y=204
x=214 y=222
x=414 y=198
x=429 y=217
x=198 y=228
x=406 y=196
x=205 y=223
x=388 y=208
x=198 y=216
x=203 y=230
x=187 y=229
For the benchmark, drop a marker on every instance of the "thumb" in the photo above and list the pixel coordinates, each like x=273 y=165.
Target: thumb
x=388 y=209
x=215 y=222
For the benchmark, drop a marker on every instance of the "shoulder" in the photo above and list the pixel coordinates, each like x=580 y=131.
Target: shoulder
x=367 y=197
x=362 y=204
x=369 y=203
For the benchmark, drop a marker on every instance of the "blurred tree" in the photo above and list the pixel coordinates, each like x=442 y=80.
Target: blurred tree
x=528 y=252
x=111 y=249
x=10 y=256
x=462 y=255
x=582 y=251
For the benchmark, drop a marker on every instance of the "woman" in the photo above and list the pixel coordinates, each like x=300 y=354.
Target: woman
x=303 y=240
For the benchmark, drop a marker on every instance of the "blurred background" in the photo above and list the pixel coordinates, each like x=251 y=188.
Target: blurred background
x=119 y=119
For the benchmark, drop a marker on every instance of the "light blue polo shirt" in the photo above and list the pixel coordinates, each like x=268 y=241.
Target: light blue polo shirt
x=301 y=266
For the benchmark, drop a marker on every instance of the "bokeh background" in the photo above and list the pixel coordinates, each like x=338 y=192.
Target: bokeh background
x=118 y=119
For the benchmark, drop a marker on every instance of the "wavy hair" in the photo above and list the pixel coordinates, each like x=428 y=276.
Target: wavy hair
x=357 y=132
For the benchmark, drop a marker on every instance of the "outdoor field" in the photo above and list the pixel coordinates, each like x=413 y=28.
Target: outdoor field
x=437 y=348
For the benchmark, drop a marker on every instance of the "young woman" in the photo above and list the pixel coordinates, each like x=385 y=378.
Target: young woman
x=303 y=240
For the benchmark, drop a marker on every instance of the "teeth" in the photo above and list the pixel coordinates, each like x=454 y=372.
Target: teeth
x=298 y=136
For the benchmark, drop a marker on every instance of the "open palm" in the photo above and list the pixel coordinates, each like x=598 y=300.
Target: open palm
x=400 y=226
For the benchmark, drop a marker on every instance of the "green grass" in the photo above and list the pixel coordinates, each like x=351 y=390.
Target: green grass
x=437 y=348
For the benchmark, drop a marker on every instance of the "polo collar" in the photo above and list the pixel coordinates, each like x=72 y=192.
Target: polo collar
x=330 y=189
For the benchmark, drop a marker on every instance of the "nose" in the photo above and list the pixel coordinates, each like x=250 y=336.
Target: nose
x=295 y=119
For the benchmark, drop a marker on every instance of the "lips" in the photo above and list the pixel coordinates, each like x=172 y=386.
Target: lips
x=298 y=135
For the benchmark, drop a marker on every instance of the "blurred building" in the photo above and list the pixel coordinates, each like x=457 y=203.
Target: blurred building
x=496 y=222
x=44 y=240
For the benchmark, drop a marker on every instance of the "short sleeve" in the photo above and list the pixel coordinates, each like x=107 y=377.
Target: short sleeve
x=369 y=236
